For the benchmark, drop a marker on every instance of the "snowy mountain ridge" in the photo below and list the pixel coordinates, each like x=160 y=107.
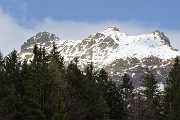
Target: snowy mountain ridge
x=113 y=50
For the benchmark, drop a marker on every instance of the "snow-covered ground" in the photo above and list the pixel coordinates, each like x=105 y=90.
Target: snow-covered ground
x=109 y=46
x=120 y=45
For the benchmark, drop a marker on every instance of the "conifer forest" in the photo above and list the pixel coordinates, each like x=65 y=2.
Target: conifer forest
x=47 y=88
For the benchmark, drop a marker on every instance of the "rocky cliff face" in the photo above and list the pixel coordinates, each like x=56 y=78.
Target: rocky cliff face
x=113 y=50
x=43 y=39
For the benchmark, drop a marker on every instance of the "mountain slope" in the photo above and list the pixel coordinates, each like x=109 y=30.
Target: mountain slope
x=113 y=50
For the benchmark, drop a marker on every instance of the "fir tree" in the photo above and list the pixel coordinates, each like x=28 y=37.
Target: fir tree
x=33 y=87
x=74 y=76
x=39 y=79
x=10 y=85
x=75 y=93
x=172 y=97
x=151 y=94
x=56 y=57
x=112 y=96
x=126 y=86
x=93 y=96
x=115 y=101
x=76 y=108
x=22 y=90
x=127 y=93
x=2 y=88
x=59 y=84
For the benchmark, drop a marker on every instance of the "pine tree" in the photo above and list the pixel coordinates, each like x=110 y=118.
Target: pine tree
x=94 y=97
x=127 y=92
x=112 y=96
x=39 y=79
x=56 y=57
x=46 y=81
x=151 y=94
x=59 y=85
x=74 y=76
x=75 y=106
x=74 y=95
x=11 y=81
x=2 y=87
x=24 y=73
x=115 y=101
x=32 y=82
x=126 y=86
x=172 y=97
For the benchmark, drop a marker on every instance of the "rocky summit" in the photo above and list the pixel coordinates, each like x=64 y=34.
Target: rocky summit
x=114 y=51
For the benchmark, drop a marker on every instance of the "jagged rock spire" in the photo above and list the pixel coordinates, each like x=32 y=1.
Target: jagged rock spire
x=42 y=38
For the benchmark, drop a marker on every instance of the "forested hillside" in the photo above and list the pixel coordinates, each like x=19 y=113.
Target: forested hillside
x=46 y=89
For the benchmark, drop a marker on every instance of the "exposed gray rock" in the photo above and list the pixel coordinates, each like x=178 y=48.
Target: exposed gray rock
x=42 y=38
x=163 y=37
x=113 y=28
x=108 y=39
x=98 y=35
x=100 y=46
x=135 y=68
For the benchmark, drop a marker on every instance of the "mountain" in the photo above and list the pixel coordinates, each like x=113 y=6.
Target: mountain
x=113 y=50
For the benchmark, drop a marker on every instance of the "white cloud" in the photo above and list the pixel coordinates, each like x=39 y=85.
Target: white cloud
x=13 y=35
x=21 y=5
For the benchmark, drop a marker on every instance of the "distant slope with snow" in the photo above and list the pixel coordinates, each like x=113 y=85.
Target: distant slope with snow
x=113 y=50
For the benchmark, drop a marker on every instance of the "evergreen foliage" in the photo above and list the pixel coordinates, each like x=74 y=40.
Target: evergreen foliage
x=151 y=93
x=126 y=88
x=59 y=85
x=93 y=95
x=75 y=93
x=172 y=97
x=10 y=101
x=112 y=96
x=47 y=88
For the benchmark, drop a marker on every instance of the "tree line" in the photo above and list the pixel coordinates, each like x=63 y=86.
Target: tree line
x=46 y=89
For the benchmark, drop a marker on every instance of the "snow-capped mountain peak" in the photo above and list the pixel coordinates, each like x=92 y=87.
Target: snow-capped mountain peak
x=111 y=29
x=162 y=37
x=116 y=51
x=41 y=38
x=112 y=32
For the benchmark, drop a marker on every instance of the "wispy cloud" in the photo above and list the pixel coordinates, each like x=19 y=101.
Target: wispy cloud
x=13 y=35
x=20 y=5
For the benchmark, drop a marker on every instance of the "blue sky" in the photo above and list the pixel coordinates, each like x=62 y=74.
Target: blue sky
x=75 y=19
